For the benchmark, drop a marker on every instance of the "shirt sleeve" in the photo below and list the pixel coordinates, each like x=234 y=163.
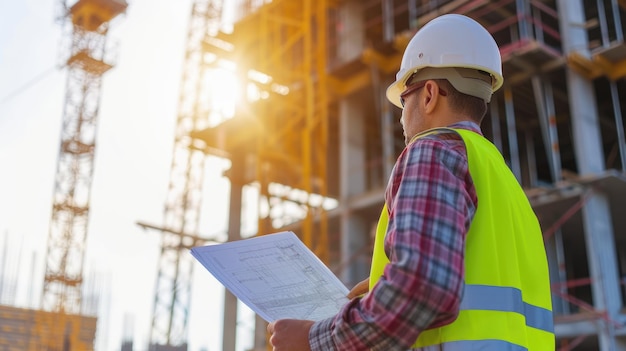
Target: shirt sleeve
x=431 y=200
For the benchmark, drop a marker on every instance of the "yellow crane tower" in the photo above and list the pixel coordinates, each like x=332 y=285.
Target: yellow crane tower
x=181 y=215
x=60 y=326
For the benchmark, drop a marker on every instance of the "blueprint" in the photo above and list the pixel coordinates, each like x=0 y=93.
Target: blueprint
x=275 y=275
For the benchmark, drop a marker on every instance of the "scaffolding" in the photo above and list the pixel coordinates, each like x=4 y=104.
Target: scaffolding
x=281 y=134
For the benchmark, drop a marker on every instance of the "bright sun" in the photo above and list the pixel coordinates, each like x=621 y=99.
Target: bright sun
x=223 y=92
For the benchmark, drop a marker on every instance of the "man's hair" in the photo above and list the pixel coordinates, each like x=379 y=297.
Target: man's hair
x=474 y=107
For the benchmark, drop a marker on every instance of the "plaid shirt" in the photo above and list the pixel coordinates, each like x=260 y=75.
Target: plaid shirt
x=431 y=202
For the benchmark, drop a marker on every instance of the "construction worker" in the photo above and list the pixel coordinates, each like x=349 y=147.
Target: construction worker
x=459 y=261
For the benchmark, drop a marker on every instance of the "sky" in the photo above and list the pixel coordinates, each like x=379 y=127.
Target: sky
x=134 y=145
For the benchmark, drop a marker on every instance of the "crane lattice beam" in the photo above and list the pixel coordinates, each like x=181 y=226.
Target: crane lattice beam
x=86 y=64
x=183 y=202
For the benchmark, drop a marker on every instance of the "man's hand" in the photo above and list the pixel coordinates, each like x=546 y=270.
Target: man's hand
x=360 y=289
x=290 y=334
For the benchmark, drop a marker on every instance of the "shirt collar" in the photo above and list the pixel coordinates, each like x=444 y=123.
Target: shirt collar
x=469 y=125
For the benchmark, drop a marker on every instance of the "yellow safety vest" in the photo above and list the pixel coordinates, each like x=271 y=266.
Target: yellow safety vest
x=506 y=305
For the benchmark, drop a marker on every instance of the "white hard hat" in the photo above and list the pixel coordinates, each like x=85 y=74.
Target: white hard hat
x=451 y=41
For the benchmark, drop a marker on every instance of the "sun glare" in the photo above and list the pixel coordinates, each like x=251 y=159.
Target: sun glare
x=224 y=92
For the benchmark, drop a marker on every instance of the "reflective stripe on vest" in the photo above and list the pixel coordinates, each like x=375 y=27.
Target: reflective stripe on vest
x=482 y=345
x=506 y=299
x=506 y=303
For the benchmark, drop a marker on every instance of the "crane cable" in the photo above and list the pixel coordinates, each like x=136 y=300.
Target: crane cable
x=29 y=84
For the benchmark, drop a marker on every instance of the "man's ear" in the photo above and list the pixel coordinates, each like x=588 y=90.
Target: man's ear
x=431 y=96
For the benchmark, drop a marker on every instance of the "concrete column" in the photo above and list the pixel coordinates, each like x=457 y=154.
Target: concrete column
x=412 y=14
x=352 y=34
x=597 y=219
x=388 y=20
x=556 y=261
x=354 y=231
x=545 y=109
x=602 y=265
x=512 y=133
x=494 y=118
x=388 y=121
x=235 y=174
x=523 y=13
x=619 y=124
x=529 y=176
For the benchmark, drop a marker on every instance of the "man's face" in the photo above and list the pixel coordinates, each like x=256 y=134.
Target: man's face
x=412 y=114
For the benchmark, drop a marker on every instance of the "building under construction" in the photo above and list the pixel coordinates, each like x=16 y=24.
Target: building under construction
x=320 y=124
x=316 y=128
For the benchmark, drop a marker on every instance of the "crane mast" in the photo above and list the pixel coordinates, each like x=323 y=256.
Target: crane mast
x=86 y=64
x=183 y=202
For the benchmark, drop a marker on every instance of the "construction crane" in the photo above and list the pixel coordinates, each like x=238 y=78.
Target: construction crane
x=63 y=282
x=179 y=231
